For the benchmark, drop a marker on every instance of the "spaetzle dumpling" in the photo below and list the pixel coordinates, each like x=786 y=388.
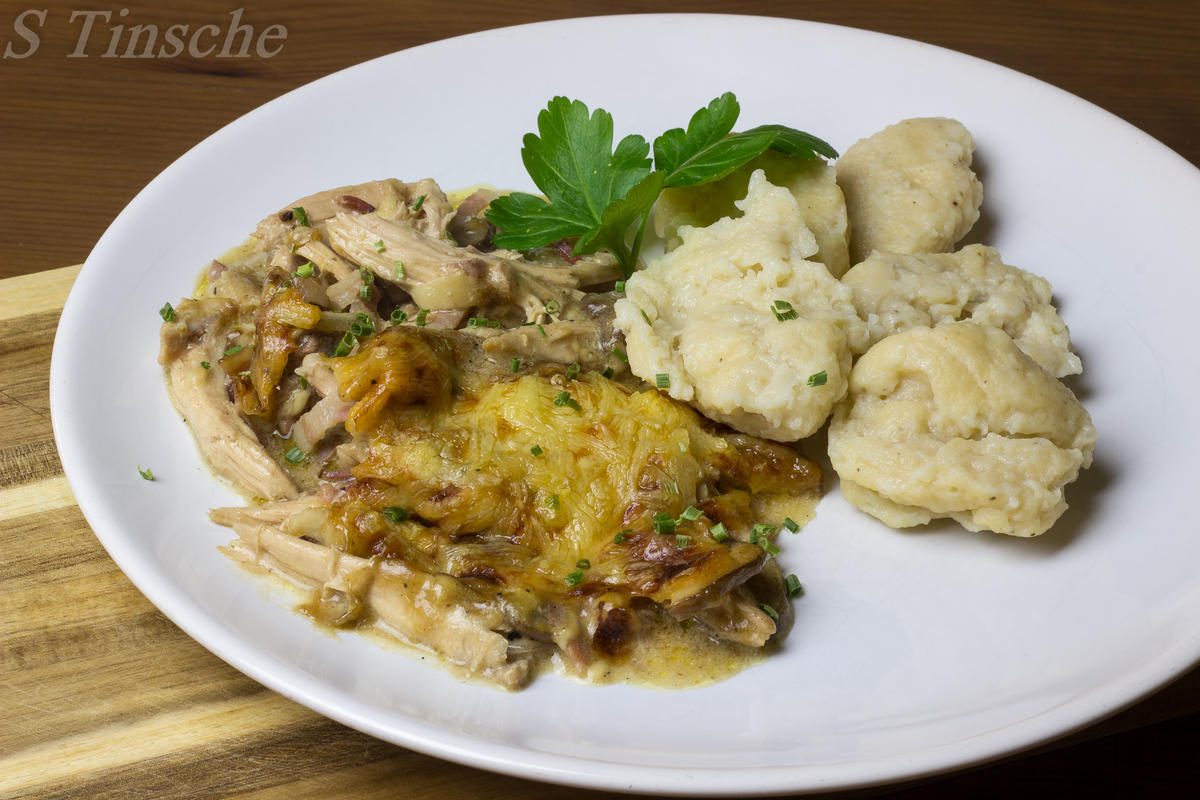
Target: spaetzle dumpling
x=738 y=319
x=955 y=421
x=910 y=188
x=894 y=292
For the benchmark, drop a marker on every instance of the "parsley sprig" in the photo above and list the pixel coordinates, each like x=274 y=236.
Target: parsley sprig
x=598 y=195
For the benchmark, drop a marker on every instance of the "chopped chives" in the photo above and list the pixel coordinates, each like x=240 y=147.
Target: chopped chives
x=691 y=513
x=146 y=473
x=380 y=246
x=514 y=365
x=301 y=216
x=305 y=270
x=365 y=275
x=763 y=530
x=719 y=532
x=790 y=525
x=167 y=312
x=769 y=611
x=583 y=563
x=663 y=524
x=574 y=578
x=478 y=322
x=553 y=307
x=399 y=270
x=564 y=398
x=771 y=548
x=646 y=317
x=552 y=501
x=416 y=206
x=818 y=378
x=619 y=353
x=784 y=310
x=620 y=537
x=572 y=371
x=672 y=488
x=608 y=372
x=294 y=456
x=542 y=331
x=395 y=513
x=397 y=316
x=662 y=380
x=205 y=365
x=421 y=315
x=233 y=349
x=682 y=541
x=619 y=286
x=345 y=345
x=536 y=450
x=794 y=589
x=364 y=292
x=303 y=382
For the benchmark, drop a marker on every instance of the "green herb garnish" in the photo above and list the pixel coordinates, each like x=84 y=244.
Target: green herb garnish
x=167 y=312
x=345 y=345
x=301 y=216
x=691 y=514
x=575 y=578
x=395 y=513
x=416 y=206
x=596 y=194
x=663 y=524
x=682 y=541
x=790 y=525
x=146 y=473
x=769 y=611
x=305 y=270
x=818 y=378
x=794 y=589
x=397 y=316
x=784 y=310
x=564 y=399
x=572 y=371
x=294 y=456
x=620 y=537
x=719 y=532
x=662 y=380
x=233 y=349
x=514 y=365
x=583 y=563
x=205 y=365
x=536 y=450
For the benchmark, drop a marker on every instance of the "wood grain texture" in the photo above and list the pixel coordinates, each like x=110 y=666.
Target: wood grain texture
x=102 y=697
x=80 y=136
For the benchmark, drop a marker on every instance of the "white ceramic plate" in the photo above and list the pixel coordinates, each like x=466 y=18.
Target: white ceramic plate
x=913 y=652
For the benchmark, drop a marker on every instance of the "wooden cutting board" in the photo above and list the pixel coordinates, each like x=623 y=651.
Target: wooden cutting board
x=102 y=696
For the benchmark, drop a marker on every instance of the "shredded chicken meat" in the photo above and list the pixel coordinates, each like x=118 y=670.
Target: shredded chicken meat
x=444 y=439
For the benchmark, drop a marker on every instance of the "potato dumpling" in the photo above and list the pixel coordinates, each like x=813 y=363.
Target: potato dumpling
x=894 y=292
x=955 y=421
x=910 y=188
x=812 y=181
x=739 y=323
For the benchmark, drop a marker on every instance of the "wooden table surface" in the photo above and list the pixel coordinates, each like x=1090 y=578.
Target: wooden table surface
x=101 y=696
